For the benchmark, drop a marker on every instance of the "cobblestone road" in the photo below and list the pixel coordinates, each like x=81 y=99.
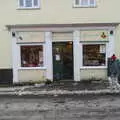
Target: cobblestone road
x=60 y=108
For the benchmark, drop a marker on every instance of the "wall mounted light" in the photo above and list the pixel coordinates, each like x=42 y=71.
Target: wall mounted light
x=20 y=38
x=13 y=34
x=111 y=32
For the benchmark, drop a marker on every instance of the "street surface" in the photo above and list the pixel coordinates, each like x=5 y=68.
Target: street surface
x=87 y=107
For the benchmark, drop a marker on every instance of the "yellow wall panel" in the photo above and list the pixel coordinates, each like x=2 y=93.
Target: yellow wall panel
x=31 y=75
x=94 y=35
x=117 y=42
x=86 y=74
x=62 y=36
x=59 y=12
x=53 y=12
x=30 y=37
x=5 y=48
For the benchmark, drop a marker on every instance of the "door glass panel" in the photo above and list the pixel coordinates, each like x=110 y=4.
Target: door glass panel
x=63 y=61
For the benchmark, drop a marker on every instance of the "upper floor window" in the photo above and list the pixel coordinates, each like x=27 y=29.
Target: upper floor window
x=29 y=4
x=84 y=3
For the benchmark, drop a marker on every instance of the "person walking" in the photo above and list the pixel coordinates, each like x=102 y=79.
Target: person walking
x=114 y=73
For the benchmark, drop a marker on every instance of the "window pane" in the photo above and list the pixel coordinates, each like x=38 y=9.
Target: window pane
x=21 y=3
x=32 y=56
x=94 y=55
x=28 y=3
x=77 y=2
x=84 y=2
x=35 y=2
x=92 y=2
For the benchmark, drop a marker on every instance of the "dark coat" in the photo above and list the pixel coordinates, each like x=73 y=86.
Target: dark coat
x=115 y=68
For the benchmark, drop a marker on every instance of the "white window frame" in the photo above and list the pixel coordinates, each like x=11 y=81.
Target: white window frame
x=93 y=43
x=32 y=7
x=44 y=62
x=88 y=5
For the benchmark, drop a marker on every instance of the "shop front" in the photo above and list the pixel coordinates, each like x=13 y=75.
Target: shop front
x=56 y=53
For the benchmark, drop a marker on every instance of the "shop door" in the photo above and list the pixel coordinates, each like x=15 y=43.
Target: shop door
x=62 y=60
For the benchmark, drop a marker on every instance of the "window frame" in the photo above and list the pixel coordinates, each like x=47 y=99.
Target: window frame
x=84 y=6
x=32 y=7
x=93 y=43
x=44 y=60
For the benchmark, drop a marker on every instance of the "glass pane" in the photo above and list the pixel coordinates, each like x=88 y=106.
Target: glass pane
x=35 y=2
x=84 y=2
x=21 y=3
x=77 y=2
x=92 y=2
x=28 y=3
x=32 y=56
x=94 y=55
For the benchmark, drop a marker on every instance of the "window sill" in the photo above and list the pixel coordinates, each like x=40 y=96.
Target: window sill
x=102 y=41
x=32 y=68
x=94 y=67
x=30 y=8
x=77 y=6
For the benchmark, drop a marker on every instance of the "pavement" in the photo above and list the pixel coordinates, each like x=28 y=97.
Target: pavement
x=87 y=107
x=60 y=88
x=60 y=101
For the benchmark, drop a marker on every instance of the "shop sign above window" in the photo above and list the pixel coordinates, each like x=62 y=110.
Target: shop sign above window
x=84 y=3
x=94 y=35
x=26 y=4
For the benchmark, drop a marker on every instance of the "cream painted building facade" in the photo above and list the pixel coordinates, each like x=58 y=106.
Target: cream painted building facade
x=57 y=40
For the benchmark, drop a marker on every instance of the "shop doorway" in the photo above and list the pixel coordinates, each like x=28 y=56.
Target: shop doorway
x=62 y=60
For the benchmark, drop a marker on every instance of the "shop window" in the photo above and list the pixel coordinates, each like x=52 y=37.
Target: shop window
x=32 y=56
x=29 y=4
x=84 y=3
x=94 y=55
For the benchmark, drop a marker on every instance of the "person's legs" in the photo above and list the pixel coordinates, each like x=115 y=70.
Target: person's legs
x=111 y=82
x=117 y=85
